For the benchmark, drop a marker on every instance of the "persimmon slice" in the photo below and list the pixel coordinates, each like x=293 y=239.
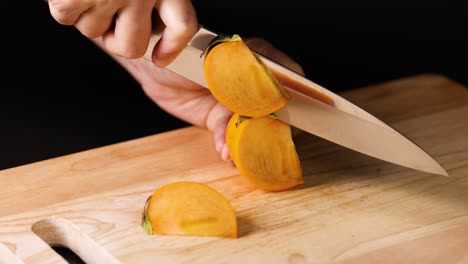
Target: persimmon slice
x=189 y=209
x=264 y=152
x=239 y=80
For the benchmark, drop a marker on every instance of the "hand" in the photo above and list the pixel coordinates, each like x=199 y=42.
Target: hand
x=126 y=25
x=189 y=101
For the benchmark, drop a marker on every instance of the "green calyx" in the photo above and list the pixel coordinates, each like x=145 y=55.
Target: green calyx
x=145 y=222
x=220 y=39
x=242 y=118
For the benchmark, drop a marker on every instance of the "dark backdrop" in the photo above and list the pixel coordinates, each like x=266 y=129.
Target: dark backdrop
x=60 y=94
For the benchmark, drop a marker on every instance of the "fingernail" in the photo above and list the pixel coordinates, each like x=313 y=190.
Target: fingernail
x=225 y=153
x=162 y=59
x=219 y=146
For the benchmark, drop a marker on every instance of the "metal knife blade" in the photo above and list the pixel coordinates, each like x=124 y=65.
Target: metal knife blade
x=335 y=119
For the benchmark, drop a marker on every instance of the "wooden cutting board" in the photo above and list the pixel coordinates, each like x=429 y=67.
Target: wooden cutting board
x=351 y=209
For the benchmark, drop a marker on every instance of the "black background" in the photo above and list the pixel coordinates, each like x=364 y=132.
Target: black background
x=61 y=94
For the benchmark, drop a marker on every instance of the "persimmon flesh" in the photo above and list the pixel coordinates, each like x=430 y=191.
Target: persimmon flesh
x=189 y=209
x=240 y=81
x=264 y=152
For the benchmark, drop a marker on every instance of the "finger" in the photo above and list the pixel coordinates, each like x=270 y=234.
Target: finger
x=96 y=21
x=66 y=12
x=181 y=23
x=131 y=33
x=217 y=121
x=266 y=49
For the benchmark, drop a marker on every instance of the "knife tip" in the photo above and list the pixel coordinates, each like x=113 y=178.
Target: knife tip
x=439 y=171
x=444 y=173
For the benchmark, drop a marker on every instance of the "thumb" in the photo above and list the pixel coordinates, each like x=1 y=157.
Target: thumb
x=266 y=49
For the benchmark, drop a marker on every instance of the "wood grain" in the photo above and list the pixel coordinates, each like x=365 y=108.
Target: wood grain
x=351 y=209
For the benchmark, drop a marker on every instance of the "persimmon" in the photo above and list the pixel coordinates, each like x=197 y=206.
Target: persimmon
x=239 y=80
x=263 y=151
x=189 y=209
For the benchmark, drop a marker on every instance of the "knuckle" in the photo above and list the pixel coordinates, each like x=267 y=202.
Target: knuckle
x=105 y=3
x=190 y=25
x=187 y=26
x=90 y=32
x=63 y=18
x=62 y=11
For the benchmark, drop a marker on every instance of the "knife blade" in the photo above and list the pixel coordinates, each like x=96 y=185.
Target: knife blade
x=317 y=110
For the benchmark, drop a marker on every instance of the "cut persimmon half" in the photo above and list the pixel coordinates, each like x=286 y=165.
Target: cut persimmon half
x=263 y=151
x=189 y=209
x=239 y=80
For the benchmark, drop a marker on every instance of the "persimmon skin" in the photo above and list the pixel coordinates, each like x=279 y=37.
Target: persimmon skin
x=240 y=81
x=189 y=209
x=264 y=153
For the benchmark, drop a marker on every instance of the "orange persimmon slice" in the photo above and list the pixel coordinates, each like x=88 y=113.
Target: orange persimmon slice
x=189 y=209
x=263 y=151
x=239 y=80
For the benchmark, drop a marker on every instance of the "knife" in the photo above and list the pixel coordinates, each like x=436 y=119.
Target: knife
x=317 y=110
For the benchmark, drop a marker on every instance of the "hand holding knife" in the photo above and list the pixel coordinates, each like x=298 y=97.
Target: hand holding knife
x=312 y=108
